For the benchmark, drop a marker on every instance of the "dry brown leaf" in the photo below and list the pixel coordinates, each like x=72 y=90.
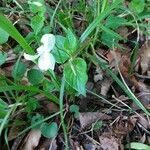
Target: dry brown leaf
x=123 y=31
x=143 y=95
x=142 y=120
x=143 y=138
x=15 y=129
x=17 y=142
x=111 y=57
x=105 y=86
x=123 y=126
x=103 y=82
x=48 y=144
x=50 y=106
x=109 y=142
x=124 y=67
x=32 y=140
x=13 y=132
x=87 y=118
x=145 y=57
x=98 y=75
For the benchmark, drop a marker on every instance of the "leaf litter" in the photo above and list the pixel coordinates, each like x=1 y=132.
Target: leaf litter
x=118 y=127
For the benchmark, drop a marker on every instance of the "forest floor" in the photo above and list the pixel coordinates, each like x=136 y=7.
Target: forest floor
x=87 y=85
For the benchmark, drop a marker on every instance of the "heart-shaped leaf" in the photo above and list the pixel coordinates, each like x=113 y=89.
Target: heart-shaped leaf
x=59 y=51
x=76 y=75
x=49 y=130
x=35 y=76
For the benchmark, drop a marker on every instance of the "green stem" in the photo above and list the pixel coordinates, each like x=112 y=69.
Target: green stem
x=52 y=19
x=61 y=112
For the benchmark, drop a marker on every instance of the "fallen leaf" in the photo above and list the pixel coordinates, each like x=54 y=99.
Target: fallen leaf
x=48 y=144
x=142 y=120
x=17 y=142
x=105 y=86
x=98 y=75
x=143 y=138
x=111 y=57
x=32 y=140
x=50 y=106
x=87 y=118
x=109 y=142
x=123 y=126
x=102 y=81
x=145 y=57
x=123 y=31
x=143 y=95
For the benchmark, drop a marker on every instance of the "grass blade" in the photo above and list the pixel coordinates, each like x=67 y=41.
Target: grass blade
x=6 y=25
x=97 y=20
x=31 y=89
x=61 y=110
x=118 y=81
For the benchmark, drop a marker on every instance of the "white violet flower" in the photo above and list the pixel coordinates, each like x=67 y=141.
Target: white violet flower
x=45 y=59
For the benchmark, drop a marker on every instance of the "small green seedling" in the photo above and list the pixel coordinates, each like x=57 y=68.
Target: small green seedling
x=74 y=109
x=49 y=130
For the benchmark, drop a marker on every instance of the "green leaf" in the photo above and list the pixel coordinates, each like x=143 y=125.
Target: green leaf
x=37 y=6
x=35 y=119
x=3 y=113
x=59 y=51
x=35 y=76
x=75 y=109
x=114 y=22
x=18 y=70
x=3 y=57
x=3 y=36
x=97 y=125
x=64 y=19
x=37 y=23
x=70 y=42
x=137 y=5
x=3 y=108
x=49 y=130
x=7 y=26
x=110 y=37
x=76 y=75
x=31 y=105
x=3 y=105
x=69 y=90
x=137 y=146
x=32 y=89
x=48 y=86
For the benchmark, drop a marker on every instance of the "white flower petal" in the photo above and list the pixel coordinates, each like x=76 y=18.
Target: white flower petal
x=37 y=4
x=46 y=61
x=48 y=41
x=30 y=57
x=40 y=50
